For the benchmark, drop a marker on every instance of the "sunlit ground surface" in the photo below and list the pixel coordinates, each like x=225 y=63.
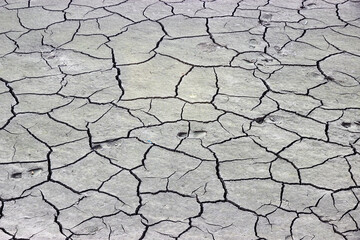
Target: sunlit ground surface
x=169 y=119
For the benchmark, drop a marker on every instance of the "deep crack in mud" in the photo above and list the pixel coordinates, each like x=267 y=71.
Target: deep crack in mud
x=179 y=119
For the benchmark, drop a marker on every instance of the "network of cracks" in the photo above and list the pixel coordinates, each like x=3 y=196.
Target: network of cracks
x=179 y=119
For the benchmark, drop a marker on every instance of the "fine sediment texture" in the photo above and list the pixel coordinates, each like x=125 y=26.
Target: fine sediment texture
x=179 y=119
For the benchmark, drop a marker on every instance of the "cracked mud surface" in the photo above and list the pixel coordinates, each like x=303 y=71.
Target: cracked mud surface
x=180 y=119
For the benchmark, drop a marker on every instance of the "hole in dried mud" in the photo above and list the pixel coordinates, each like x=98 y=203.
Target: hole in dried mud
x=253 y=43
x=259 y=120
x=267 y=16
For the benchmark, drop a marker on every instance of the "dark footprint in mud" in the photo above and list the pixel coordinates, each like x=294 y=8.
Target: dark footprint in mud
x=197 y=134
x=97 y=147
x=253 y=43
x=35 y=172
x=182 y=135
x=30 y=173
x=346 y=124
x=106 y=145
x=265 y=19
x=193 y=134
x=16 y=175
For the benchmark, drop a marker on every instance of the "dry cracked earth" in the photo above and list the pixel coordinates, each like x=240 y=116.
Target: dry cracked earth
x=180 y=119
